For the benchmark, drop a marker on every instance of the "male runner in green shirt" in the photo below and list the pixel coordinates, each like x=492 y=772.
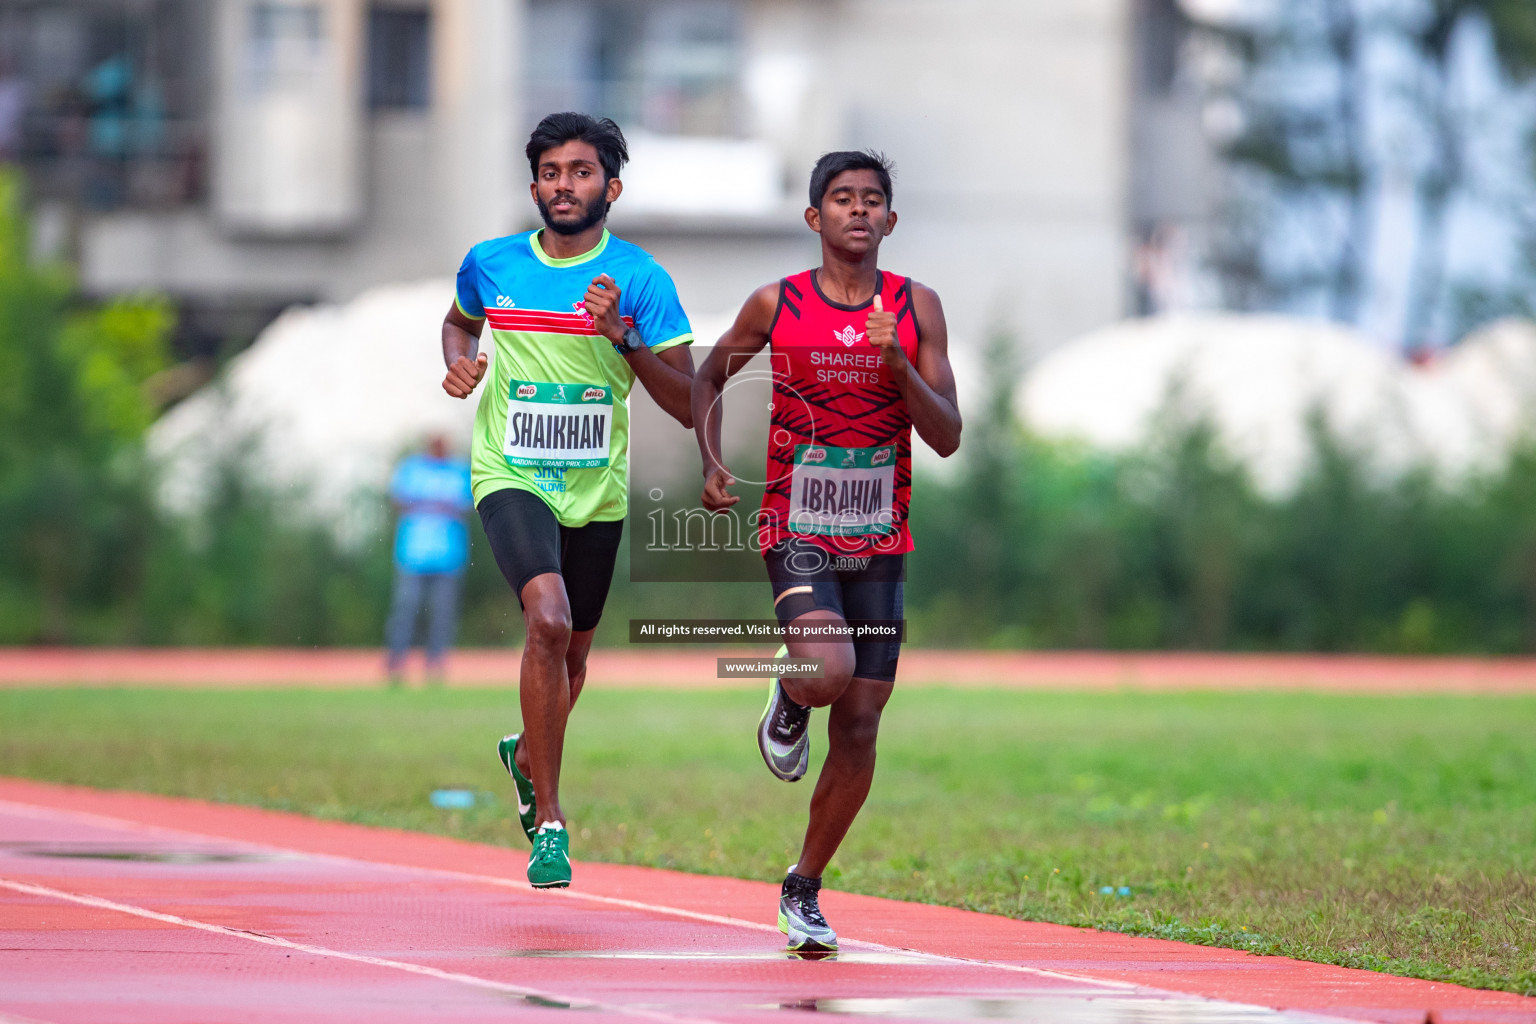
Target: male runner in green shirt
x=576 y=316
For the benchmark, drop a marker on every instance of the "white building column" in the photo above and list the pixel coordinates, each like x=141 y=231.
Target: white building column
x=479 y=176
x=286 y=157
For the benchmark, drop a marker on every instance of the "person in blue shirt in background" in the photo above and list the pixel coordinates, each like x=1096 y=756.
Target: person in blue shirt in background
x=431 y=492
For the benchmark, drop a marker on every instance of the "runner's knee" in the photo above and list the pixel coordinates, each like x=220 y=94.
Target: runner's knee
x=837 y=670
x=549 y=628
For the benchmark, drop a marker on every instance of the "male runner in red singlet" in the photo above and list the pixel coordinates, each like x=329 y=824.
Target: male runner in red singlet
x=860 y=357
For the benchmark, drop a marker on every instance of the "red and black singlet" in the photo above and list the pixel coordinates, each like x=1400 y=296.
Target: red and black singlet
x=839 y=464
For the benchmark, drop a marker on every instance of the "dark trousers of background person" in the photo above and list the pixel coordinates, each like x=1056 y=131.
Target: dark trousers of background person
x=439 y=591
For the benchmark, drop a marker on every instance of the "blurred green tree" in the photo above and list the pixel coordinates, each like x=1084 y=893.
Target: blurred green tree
x=74 y=513
x=1308 y=150
x=1327 y=119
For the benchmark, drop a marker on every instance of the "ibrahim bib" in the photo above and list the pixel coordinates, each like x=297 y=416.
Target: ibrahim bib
x=839 y=436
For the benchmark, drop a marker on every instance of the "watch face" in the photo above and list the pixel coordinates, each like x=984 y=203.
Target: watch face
x=632 y=340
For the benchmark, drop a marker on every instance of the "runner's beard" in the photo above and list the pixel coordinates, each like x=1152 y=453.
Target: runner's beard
x=594 y=215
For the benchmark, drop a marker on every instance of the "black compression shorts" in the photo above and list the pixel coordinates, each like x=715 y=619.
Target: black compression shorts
x=527 y=541
x=806 y=577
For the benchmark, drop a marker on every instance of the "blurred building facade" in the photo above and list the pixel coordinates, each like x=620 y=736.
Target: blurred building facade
x=1177 y=175
x=241 y=155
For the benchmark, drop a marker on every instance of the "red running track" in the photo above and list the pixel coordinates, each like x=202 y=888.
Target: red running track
x=119 y=908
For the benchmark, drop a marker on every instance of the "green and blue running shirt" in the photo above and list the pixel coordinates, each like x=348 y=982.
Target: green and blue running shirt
x=554 y=415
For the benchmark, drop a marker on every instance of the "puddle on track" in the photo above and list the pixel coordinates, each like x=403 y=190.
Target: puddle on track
x=847 y=956
x=149 y=856
x=1027 y=1008
x=1051 y=1009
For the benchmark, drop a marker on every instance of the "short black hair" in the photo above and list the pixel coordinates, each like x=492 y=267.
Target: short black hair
x=833 y=164
x=601 y=133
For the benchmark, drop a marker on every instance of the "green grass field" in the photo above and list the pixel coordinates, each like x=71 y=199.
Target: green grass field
x=1392 y=833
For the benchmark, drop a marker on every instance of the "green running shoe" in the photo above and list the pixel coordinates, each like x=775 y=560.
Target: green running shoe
x=527 y=813
x=549 y=865
x=783 y=733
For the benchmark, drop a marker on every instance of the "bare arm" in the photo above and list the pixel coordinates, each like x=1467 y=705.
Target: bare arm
x=668 y=376
x=461 y=352
x=746 y=338
x=930 y=392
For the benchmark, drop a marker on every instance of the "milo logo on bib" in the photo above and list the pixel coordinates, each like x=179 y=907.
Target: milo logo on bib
x=845 y=492
x=567 y=425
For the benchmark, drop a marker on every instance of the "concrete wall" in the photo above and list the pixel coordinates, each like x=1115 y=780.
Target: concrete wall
x=1008 y=122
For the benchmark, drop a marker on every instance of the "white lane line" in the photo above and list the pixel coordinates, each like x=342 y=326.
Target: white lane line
x=40 y=811
x=874 y=947
x=521 y=887
x=303 y=947
x=11 y=1018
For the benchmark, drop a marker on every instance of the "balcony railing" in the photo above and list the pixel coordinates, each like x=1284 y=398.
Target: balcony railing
x=108 y=161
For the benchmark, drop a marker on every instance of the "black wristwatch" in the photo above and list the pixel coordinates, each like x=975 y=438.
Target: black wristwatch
x=632 y=342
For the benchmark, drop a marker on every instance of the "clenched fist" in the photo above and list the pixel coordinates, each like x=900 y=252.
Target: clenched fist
x=463 y=375
x=602 y=304
x=715 y=497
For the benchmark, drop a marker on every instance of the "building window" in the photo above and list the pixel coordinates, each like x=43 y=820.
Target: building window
x=286 y=48
x=671 y=67
x=399 y=65
x=103 y=105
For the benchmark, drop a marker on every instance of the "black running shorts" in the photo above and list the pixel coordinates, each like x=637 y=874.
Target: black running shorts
x=527 y=541
x=806 y=577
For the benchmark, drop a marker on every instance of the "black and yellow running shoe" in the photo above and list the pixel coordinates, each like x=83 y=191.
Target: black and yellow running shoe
x=783 y=733
x=800 y=916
